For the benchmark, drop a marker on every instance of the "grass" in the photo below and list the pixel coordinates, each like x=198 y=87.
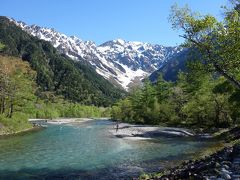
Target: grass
x=18 y=122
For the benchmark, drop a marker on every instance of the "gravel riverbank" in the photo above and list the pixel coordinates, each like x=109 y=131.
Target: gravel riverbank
x=138 y=132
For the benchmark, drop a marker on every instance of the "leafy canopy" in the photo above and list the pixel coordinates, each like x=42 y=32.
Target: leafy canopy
x=218 y=42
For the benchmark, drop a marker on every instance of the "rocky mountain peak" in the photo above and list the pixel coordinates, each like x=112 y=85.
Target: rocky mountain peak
x=121 y=62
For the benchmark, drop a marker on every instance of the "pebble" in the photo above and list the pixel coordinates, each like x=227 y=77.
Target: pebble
x=225 y=171
x=226 y=176
x=228 y=163
x=225 y=166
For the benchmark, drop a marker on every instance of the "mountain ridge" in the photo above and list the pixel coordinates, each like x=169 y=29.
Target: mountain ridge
x=119 y=61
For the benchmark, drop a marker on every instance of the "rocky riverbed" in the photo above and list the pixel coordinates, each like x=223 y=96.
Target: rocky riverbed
x=224 y=164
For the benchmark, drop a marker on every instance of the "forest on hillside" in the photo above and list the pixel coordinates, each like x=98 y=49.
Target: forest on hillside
x=74 y=80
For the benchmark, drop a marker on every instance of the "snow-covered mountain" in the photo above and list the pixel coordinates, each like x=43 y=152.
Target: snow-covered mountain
x=121 y=62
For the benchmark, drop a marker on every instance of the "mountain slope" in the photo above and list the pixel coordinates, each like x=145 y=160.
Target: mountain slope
x=76 y=81
x=170 y=69
x=121 y=62
x=175 y=64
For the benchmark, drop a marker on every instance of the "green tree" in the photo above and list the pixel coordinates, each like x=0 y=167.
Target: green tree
x=4 y=87
x=218 y=42
x=162 y=89
x=17 y=85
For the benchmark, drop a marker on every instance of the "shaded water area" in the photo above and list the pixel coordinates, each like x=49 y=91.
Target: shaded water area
x=88 y=151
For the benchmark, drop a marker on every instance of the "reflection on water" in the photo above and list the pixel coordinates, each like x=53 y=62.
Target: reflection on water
x=87 y=150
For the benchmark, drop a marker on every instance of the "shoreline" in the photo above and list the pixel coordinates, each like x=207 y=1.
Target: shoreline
x=32 y=129
x=62 y=120
x=220 y=163
x=144 y=132
x=36 y=125
x=223 y=164
x=68 y=120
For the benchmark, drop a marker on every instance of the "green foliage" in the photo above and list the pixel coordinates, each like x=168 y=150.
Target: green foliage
x=218 y=42
x=17 y=123
x=67 y=109
x=18 y=100
x=75 y=81
x=16 y=85
x=197 y=99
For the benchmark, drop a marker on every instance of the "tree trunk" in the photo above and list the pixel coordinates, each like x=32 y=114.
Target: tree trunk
x=230 y=78
x=2 y=105
x=11 y=109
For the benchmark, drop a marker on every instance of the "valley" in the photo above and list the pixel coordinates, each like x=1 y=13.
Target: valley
x=126 y=103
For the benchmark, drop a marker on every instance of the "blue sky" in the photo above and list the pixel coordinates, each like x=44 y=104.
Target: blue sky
x=103 y=20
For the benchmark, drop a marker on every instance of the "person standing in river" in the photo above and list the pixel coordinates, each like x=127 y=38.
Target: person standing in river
x=117 y=126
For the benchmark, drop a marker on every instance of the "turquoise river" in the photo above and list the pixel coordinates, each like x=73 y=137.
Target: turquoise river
x=88 y=151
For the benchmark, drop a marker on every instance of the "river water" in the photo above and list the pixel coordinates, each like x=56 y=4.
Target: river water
x=88 y=151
